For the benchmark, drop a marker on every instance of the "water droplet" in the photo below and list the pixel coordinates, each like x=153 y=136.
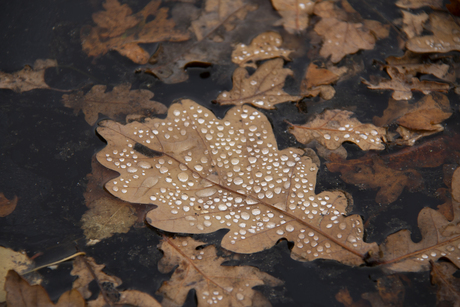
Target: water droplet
x=253 y=82
x=271 y=225
x=207 y=223
x=163 y=169
x=144 y=165
x=280 y=232
x=245 y=216
x=238 y=180
x=327 y=136
x=240 y=297
x=198 y=167
x=206 y=192
x=149 y=182
x=289 y=228
x=183 y=177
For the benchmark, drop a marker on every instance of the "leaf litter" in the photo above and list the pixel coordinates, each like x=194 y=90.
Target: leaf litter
x=296 y=14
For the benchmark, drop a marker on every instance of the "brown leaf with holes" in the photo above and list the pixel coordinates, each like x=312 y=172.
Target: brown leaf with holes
x=372 y=173
x=28 y=78
x=317 y=82
x=21 y=294
x=7 y=206
x=121 y=30
x=202 y=270
x=262 y=89
x=416 y=4
x=413 y=23
x=342 y=36
x=295 y=13
x=448 y=286
x=263 y=47
x=205 y=174
x=440 y=238
x=445 y=37
x=333 y=127
x=119 y=101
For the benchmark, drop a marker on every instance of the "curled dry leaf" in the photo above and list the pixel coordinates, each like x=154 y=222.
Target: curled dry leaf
x=203 y=271
x=7 y=206
x=440 y=238
x=264 y=46
x=445 y=38
x=28 y=78
x=372 y=173
x=317 y=82
x=121 y=30
x=121 y=100
x=413 y=23
x=415 y=4
x=262 y=89
x=21 y=294
x=333 y=127
x=295 y=13
x=448 y=286
x=207 y=174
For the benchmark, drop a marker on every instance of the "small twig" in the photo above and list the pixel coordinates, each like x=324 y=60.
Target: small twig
x=54 y=263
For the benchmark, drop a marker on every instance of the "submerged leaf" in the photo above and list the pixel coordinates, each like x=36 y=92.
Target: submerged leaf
x=333 y=127
x=263 y=47
x=413 y=23
x=448 y=286
x=295 y=13
x=7 y=206
x=203 y=271
x=28 y=78
x=207 y=174
x=317 y=81
x=262 y=89
x=121 y=100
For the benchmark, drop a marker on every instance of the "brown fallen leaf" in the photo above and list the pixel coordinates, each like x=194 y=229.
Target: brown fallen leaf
x=344 y=297
x=28 y=78
x=413 y=23
x=372 y=173
x=262 y=89
x=7 y=206
x=448 y=286
x=415 y=4
x=445 y=38
x=203 y=271
x=21 y=294
x=128 y=297
x=391 y=292
x=333 y=127
x=206 y=174
x=295 y=13
x=121 y=30
x=264 y=46
x=341 y=36
x=317 y=82
x=121 y=100
x=440 y=238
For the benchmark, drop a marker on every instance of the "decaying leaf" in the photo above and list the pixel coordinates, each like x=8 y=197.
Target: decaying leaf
x=121 y=30
x=128 y=297
x=372 y=173
x=440 y=238
x=203 y=271
x=295 y=13
x=7 y=206
x=28 y=78
x=317 y=82
x=262 y=89
x=341 y=36
x=415 y=4
x=445 y=38
x=344 y=297
x=264 y=46
x=413 y=23
x=121 y=100
x=448 y=286
x=21 y=294
x=333 y=127
x=207 y=174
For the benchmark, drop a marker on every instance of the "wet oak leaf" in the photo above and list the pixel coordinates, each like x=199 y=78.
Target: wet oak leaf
x=448 y=286
x=413 y=23
x=203 y=271
x=333 y=127
x=206 y=174
x=262 y=89
x=118 y=29
x=21 y=294
x=28 y=78
x=317 y=82
x=120 y=100
x=295 y=13
x=263 y=47
x=7 y=206
x=445 y=38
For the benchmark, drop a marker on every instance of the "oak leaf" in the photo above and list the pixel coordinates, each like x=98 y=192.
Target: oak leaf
x=128 y=298
x=448 y=286
x=333 y=127
x=317 y=82
x=121 y=30
x=7 y=206
x=445 y=38
x=207 y=174
x=21 y=294
x=203 y=271
x=121 y=100
x=415 y=4
x=262 y=89
x=295 y=13
x=264 y=46
x=413 y=23
x=28 y=78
